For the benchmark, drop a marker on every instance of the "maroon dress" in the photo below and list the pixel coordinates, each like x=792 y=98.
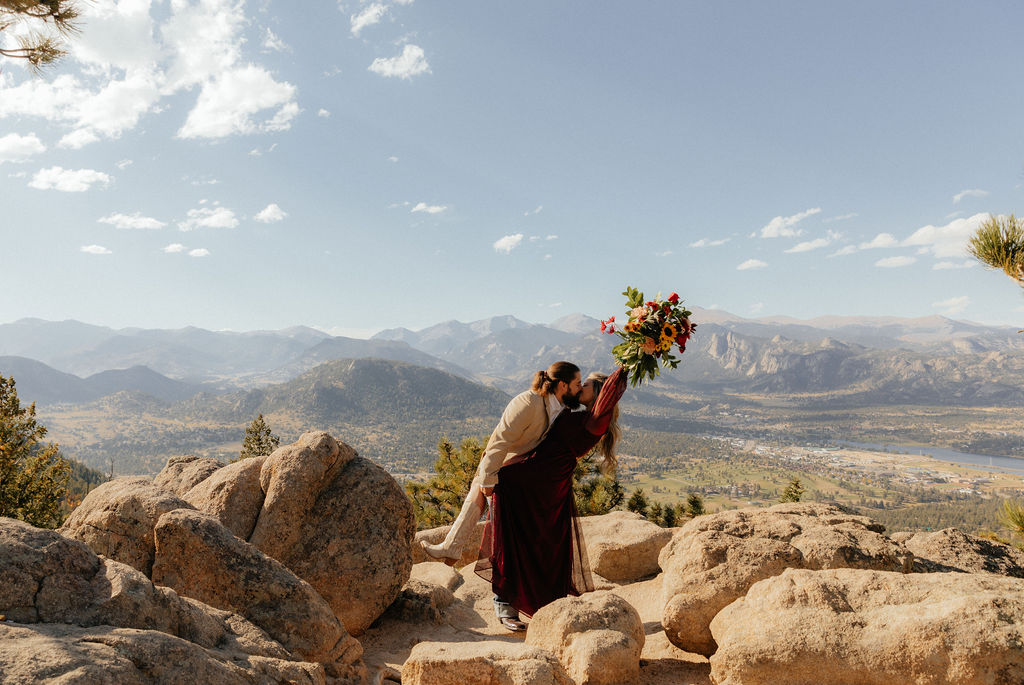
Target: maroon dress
x=532 y=550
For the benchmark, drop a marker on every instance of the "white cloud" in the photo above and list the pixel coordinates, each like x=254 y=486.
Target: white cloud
x=271 y=42
x=707 y=242
x=666 y=253
x=124 y=164
x=95 y=249
x=16 y=148
x=78 y=138
x=508 y=243
x=954 y=305
x=207 y=217
x=68 y=180
x=947 y=241
x=135 y=220
x=226 y=104
x=895 y=262
x=534 y=211
x=879 y=241
x=411 y=62
x=756 y=308
x=270 y=213
x=393 y=159
x=371 y=14
x=204 y=39
x=974 y=192
x=199 y=252
x=809 y=245
x=782 y=226
x=751 y=264
x=323 y=113
x=966 y=264
x=428 y=209
x=551 y=237
x=173 y=248
x=117 y=35
x=849 y=249
x=841 y=217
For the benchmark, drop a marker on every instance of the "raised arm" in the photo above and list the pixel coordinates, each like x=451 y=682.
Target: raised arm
x=611 y=392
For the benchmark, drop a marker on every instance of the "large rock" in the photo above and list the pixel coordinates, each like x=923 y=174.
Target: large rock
x=597 y=637
x=47 y=578
x=117 y=519
x=232 y=494
x=181 y=474
x=954 y=550
x=482 y=663
x=712 y=560
x=470 y=552
x=339 y=522
x=104 y=655
x=199 y=558
x=857 y=627
x=623 y=546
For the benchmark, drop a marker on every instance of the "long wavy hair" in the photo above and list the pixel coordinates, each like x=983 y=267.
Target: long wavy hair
x=545 y=382
x=606 y=445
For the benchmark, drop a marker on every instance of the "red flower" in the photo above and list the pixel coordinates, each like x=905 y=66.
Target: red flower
x=673 y=298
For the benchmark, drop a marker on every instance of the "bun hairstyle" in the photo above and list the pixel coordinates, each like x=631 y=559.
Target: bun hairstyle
x=606 y=446
x=545 y=382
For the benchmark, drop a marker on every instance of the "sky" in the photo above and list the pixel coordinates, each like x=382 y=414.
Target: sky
x=356 y=166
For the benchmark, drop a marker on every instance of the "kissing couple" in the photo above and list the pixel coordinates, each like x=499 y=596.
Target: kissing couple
x=532 y=550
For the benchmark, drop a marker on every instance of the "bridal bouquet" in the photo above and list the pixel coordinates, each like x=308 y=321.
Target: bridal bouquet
x=651 y=330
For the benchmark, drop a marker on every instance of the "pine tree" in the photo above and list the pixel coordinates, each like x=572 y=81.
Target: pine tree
x=654 y=513
x=999 y=244
x=695 y=505
x=33 y=475
x=793 y=492
x=259 y=441
x=35 y=46
x=638 y=502
x=437 y=502
x=668 y=517
x=595 y=493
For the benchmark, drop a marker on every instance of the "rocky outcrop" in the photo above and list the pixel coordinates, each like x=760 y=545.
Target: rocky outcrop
x=954 y=550
x=623 y=546
x=597 y=637
x=60 y=598
x=181 y=474
x=714 y=559
x=858 y=627
x=117 y=519
x=436 y=573
x=232 y=494
x=199 y=558
x=482 y=663
x=339 y=522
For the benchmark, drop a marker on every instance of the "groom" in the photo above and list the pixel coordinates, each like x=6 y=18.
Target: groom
x=523 y=425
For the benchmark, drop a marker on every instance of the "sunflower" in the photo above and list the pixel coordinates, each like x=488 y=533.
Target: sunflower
x=669 y=331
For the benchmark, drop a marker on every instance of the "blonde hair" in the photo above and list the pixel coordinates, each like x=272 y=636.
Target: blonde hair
x=545 y=382
x=606 y=445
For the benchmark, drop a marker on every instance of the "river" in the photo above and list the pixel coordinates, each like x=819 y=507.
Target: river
x=981 y=461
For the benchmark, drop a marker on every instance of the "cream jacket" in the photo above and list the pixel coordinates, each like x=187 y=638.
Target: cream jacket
x=523 y=425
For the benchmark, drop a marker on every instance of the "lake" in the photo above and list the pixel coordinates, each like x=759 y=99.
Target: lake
x=982 y=461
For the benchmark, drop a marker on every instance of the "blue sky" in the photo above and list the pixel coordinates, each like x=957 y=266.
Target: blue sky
x=358 y=166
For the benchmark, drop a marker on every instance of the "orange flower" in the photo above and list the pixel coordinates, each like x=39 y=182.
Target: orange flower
x=649 y=345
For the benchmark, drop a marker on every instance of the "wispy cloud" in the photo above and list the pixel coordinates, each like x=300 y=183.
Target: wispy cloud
x=227 y=104
x=410 y=63
x=895 y=262
x=974 y=192
x=68 y=180
x=136 y=220
x=841 y=217
x=782 y=226
x=508 y=243
x=371 y=14
x=751 y=264
x=966 y=264
x=881 y=240
x=393 y=159
x=199 y=252
x=534 y=211
x=272 y=43
x=270 y=214
x=947 y=241
x=665 y=253
x=954 y=305
x=323 y=113
x=94 y=249
x=173 y=248
x=809 y=245
x=16 y=148
x=849 y=249
x=209 y=217
x=424 y=208
x=707 y=242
